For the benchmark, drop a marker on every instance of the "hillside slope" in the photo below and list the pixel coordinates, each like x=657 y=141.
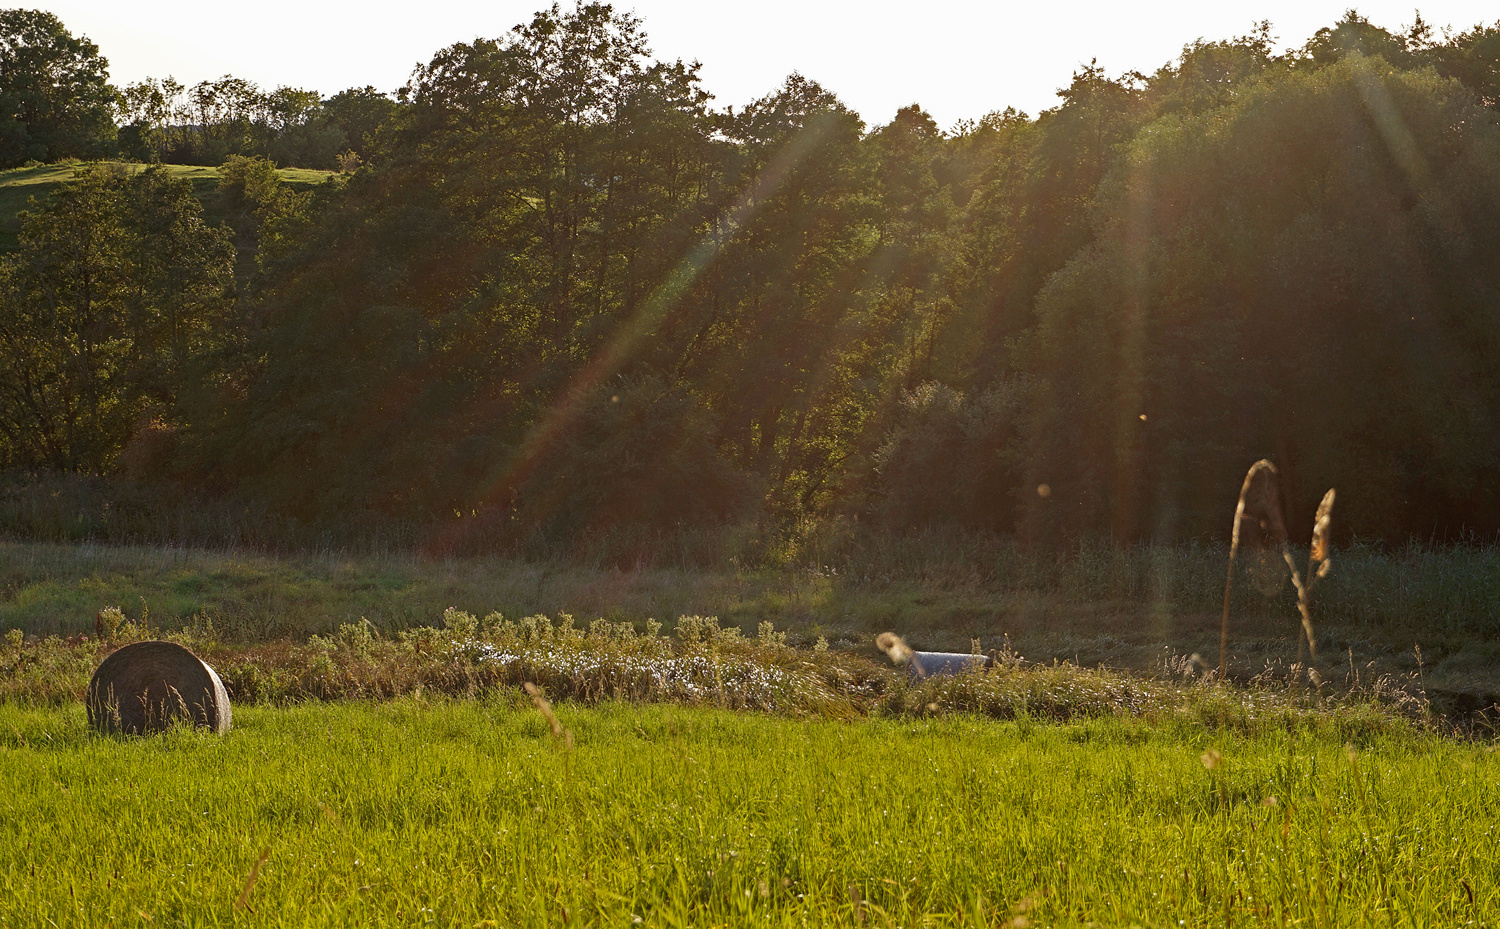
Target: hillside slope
x=19 y=185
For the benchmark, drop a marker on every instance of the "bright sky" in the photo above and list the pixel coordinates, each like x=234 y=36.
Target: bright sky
x=957 y=58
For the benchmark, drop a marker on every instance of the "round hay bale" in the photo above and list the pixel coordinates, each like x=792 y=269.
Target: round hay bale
x=148 y=686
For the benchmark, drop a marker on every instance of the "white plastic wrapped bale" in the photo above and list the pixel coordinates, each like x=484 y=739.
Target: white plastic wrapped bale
x=930 y=664
x=935 y=664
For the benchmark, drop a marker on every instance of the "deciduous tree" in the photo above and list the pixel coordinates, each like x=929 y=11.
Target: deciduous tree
x=55 y=97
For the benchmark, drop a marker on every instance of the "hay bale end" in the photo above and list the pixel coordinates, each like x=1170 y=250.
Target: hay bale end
x=148 y=686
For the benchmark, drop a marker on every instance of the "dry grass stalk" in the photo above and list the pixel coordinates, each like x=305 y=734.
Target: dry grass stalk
x=858 y=901
x=545 y=708
x=1259 y=506
x=1319 y=563
x=1259 y=509
x=894 y=647
x=243 y=903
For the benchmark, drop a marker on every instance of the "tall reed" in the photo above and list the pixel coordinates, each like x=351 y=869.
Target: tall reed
x=1259 y=509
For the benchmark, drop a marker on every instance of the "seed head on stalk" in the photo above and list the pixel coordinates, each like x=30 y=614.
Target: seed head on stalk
x=894 y=647
x=1319 y=563
x=1258 y=514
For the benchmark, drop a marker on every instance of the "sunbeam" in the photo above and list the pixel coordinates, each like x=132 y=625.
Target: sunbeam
x=669 y=292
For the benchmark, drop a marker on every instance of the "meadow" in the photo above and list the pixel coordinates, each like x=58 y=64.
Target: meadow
x=727 y=748
x=471 y=813
x=19 y=185
x=394 y=772
x=539 y=493
x=1420 y=612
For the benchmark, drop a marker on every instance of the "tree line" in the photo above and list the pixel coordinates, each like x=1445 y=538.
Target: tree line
x=565 y=293
x=56 y=103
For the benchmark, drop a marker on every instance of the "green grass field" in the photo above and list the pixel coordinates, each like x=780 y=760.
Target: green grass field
x=471 y=814
x=391 y=772
x=19 y=185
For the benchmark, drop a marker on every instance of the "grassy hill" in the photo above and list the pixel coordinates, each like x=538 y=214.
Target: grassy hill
x=19 y=185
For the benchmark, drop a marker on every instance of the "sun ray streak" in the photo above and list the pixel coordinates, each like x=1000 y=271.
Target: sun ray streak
x=667 y=295
x=1441 y=212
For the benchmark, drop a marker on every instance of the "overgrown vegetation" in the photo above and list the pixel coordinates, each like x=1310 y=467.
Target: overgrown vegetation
x=701 y=663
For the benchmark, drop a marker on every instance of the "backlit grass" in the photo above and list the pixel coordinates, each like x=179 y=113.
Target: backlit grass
x=455 y=814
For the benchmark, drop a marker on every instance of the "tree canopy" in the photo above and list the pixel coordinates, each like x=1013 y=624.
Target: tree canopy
x=558 y=291
x=117 y=295
x=55 y=97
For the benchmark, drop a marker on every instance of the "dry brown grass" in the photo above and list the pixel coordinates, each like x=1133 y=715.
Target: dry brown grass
x=1258 y=518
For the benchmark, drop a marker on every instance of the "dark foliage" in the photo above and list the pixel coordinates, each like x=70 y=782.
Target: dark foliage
x=115 y=302
x=560 y=294
x=55 y=98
